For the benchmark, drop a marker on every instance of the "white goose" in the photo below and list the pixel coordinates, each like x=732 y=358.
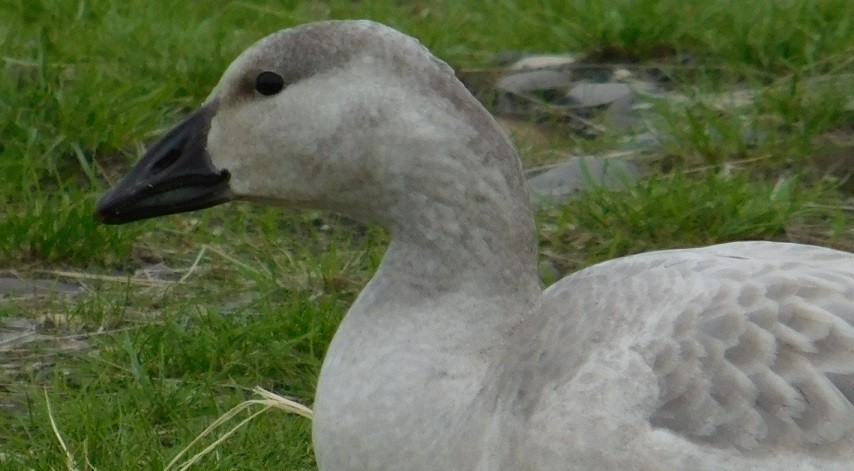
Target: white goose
x=731 y=357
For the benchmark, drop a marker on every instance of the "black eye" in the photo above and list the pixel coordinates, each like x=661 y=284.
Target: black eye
x=269 y=83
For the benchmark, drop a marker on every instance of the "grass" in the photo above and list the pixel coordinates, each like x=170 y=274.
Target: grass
x=140 y=363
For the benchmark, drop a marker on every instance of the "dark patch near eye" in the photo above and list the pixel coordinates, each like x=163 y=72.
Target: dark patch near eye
x=269 y=83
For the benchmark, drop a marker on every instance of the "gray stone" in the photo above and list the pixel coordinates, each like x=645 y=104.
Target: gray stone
x=588 y=95
x=12 y=286
x=533 y=80
x=550 y=61
x=621 y=113
x=563 y=182
x=642 y=142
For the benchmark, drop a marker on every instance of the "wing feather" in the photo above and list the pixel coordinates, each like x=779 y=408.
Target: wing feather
x=768 y=356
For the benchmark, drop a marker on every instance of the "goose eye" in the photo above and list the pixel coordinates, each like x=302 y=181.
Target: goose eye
x=269 y=83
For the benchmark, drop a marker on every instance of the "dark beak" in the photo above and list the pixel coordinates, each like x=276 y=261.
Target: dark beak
x=175 y=175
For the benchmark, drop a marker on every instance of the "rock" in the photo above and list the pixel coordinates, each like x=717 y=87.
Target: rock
x=533 y=80
x=619 y=104
x=644 y=142
x=520 y=93
x=159 y=272
x=15 y=332
x=589 y=95
x=622 y=113
x=13 y=286
x=550 y=61
x=563 y=182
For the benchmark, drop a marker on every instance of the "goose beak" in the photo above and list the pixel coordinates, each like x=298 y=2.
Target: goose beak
x=175 y=175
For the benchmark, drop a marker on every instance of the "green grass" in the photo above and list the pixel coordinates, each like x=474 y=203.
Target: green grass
x=86 y=84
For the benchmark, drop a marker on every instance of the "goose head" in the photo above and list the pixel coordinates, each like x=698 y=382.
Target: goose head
x=348 y=116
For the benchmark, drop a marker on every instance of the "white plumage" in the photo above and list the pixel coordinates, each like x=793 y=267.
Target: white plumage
x=731 y=357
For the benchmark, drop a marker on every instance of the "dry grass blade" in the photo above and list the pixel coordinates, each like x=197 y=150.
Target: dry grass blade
x=270 y=400
x=209 y=248
x=844 y=207
x=189 y=463
x=89 y=464
x=279 y=402
x=114 y=279
x=195 y=264
x=69 y=458
x=148 y=281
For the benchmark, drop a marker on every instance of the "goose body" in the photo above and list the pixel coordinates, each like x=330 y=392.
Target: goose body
x=730 y=357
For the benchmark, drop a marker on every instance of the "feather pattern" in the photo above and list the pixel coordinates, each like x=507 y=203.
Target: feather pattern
x=751 y=344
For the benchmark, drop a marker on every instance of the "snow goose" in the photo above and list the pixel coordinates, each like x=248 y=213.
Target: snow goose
x=731 y=357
